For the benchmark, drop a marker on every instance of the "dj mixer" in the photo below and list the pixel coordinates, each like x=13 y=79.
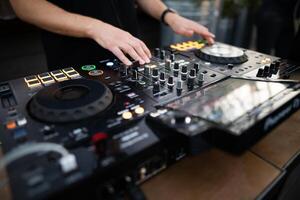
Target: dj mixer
x=101 y=129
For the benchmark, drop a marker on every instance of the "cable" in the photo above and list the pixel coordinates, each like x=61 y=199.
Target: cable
x=31 y=148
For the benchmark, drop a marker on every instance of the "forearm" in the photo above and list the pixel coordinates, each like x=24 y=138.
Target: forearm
x=152 y=7
x=52 y=18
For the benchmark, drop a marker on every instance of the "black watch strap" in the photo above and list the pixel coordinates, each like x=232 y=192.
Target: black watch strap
x=163 y=15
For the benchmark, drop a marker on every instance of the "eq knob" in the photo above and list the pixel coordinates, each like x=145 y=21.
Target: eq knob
x=179 y=87
x=168 y=65
x=200 y=79
x=157 y=52
x=172 y=57
x=176 y=69
x=191 y=79
x=162 y=54
x=197 y=67
x=162 y=78
x=184 y=72
x=184 y=69
x=147 y=71
x=135 y=76
x=155 y=74
x=170 y=83
x=123 y=69
x=156 y=87
x=230 y=66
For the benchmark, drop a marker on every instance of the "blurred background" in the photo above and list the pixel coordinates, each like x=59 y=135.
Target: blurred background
x=267 y=26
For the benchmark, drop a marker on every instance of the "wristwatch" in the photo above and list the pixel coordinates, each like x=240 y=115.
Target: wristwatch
x=163 y=15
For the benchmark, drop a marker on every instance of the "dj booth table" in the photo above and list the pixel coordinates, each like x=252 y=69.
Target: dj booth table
x=219 y=175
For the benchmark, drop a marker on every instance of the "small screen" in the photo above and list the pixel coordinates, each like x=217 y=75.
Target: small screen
x=225 y=102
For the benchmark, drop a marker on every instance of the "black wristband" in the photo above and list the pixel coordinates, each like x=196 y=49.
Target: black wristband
x=163 y=15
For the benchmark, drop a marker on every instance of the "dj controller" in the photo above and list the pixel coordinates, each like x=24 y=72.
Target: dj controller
x=100 y=130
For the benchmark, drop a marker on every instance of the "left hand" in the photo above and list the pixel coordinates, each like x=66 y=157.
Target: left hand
x=188 y=28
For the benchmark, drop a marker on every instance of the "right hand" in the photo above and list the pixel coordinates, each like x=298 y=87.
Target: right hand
x=120 y=42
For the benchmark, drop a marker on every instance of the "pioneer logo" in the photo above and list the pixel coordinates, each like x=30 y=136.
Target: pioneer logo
x=273 y=120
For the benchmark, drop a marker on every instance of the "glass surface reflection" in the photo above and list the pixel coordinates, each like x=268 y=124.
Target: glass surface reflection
x=229 y=100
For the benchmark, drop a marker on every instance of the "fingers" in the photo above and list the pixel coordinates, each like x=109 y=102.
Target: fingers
x=120 y=55
x=139 y=49
x=186 y=32
x=128 y=49
x=204 y=32
x=145 y=48
x=135 y=48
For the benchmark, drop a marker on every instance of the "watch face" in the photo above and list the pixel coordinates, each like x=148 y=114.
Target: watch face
x=221 y=50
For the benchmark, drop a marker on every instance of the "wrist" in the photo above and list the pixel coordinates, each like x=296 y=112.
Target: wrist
x=92 y=27
x=170 y=18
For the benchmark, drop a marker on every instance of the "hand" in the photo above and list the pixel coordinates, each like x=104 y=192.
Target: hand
x=188 y=28
x=120 y=42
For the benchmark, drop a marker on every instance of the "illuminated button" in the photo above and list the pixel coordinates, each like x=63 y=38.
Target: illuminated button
x=56 y=73
x=68 y=70
x=139 y=110
x=22 y=121
x=127 y=115
x=61 y=77
x=73 y=74
x=48 y=80
x=30 y=79
x=11 y=125
x=96 y=73
x=110 y=64
x=88 y=67
x=44 y=75
x=35 y=83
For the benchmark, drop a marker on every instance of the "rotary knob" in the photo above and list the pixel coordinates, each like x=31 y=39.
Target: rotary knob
x=135 y=76
x=162 y=78
x=230 y=66
x=168 y=65
x=155 y=74
x=156 y=87
x=147 y=71
x=170 y=82
x=176 y=69
x=191 y=79
x=184 y=72
x=197 y=67
x=179 y=85
x=162 y=54
x=200 y=79
x=157 y=52
x=172 y=57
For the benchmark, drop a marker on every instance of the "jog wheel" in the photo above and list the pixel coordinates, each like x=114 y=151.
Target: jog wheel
x=70 y=101
x=222 y=54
